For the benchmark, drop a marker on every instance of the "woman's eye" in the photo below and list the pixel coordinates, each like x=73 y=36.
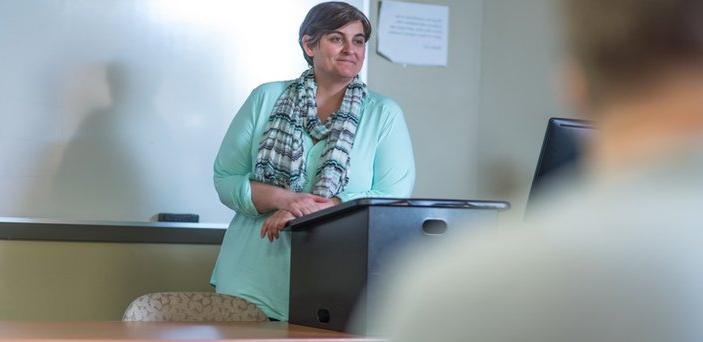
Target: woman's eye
x=336 y=39
x=359 y=42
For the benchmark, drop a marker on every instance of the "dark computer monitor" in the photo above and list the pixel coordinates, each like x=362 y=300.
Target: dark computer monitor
x=561 y=154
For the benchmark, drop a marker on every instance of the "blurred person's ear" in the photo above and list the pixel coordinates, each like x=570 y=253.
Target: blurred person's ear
x=573 y=87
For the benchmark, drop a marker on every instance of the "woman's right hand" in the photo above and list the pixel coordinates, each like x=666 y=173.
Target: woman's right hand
x=275 y=223
x=301 y=203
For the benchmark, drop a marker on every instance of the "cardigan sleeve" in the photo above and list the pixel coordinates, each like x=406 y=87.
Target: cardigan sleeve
x=394 y=163
x=233 y=164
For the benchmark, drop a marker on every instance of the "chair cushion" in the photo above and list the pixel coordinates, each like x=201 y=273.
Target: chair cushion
x=192 y=307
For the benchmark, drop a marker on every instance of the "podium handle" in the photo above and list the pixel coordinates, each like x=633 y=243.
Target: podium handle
x=434 y=226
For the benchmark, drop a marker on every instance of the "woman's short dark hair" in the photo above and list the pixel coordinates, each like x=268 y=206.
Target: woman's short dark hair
x=327 y=17
x=620 y=43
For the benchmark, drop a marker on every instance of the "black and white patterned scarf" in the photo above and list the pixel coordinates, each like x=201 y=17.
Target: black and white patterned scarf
x=281 y=158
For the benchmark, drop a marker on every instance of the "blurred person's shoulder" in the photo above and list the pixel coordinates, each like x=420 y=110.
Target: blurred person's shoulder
x=603 y=248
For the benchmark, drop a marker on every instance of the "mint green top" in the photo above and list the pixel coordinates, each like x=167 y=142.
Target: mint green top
x=382 y=165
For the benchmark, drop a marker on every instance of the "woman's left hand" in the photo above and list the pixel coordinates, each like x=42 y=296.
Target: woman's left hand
x=275 y=223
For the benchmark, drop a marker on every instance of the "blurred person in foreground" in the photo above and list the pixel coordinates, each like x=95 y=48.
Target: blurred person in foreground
x=619 y=258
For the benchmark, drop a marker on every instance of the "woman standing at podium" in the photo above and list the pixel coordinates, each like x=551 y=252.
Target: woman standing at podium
x=296 y=147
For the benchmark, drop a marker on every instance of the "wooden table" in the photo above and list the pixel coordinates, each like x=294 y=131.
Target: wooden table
x=168 y=331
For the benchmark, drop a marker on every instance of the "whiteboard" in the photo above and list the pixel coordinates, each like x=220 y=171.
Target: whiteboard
x=115 y=109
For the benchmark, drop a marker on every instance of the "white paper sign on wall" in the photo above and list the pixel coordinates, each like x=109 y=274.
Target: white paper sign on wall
x=412 y=33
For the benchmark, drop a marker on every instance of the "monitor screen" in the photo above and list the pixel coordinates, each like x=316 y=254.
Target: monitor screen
x=561 y=153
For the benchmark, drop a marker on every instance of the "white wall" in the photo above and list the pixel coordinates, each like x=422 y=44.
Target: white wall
x=441 y=104
x=477 y=125
x=520 y=59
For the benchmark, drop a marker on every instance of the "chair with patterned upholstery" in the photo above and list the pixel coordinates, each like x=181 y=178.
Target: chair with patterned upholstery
x=192 y=307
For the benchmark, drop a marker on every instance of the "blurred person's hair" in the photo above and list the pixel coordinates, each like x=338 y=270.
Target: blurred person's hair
x=327 y=17
x=624 y=44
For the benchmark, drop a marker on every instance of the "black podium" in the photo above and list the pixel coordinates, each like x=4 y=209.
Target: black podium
x=338 y=254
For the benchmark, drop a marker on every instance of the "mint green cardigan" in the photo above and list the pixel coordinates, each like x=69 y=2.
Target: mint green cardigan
x=382 y=165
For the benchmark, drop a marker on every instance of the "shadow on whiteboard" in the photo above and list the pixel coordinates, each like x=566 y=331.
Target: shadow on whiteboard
x=101 y=170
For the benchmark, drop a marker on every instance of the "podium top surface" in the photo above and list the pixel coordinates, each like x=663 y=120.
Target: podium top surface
x=363 y=203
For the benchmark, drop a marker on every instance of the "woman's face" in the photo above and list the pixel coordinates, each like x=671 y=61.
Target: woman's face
x=339 y=54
